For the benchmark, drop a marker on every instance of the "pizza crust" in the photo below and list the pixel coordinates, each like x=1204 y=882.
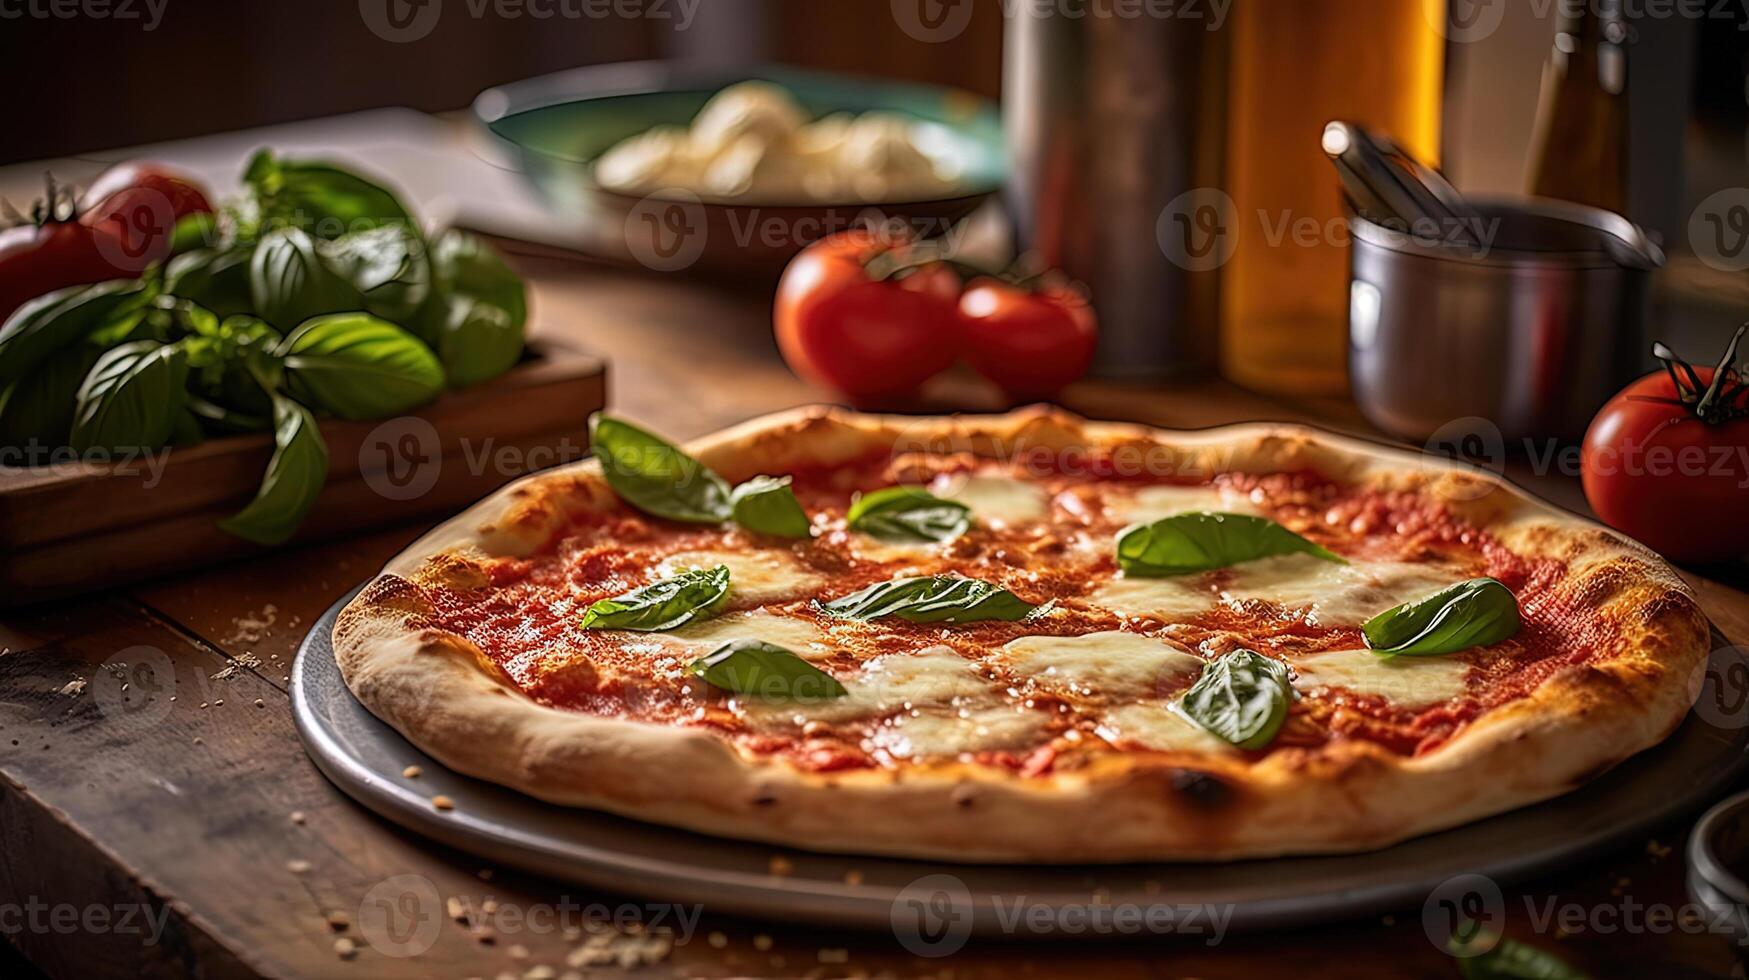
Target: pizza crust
x=451 y=701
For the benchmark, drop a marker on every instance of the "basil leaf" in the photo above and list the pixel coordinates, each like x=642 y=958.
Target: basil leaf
x=1469 y=614
x=386 y=265
x=475 y=340
x=224 y=361
x=37 y=409
x=766 y=505
x=355 y=366
x=765 y=670
x=666 y=604
x=60 y=319
x=131 y=398
x=464 y=265
x=933 y=599
x=290 y=283
x=1243 y=697
x=330 y=200
x=216 y=279
x=1508 y=959
x=1201 y=541
x=908 y=514
x=655 y=476
x=293 y=479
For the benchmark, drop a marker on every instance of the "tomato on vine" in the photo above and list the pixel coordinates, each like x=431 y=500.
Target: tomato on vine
x=1666 y=460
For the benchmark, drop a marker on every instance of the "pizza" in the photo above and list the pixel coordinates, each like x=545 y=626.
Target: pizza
x=1025 y=637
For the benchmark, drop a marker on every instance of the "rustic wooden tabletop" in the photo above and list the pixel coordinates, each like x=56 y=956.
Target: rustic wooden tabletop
x=186 y=833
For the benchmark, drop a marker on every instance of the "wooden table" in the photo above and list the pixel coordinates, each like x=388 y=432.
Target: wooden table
x=204 y=812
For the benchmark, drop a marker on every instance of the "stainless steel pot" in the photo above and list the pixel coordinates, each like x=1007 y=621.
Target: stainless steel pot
x=1115 y=127
x=1531 y=328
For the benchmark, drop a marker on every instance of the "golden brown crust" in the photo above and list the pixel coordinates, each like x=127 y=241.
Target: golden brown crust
x=449 y=699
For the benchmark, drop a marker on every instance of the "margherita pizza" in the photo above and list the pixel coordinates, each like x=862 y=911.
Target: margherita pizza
x=1025 y=638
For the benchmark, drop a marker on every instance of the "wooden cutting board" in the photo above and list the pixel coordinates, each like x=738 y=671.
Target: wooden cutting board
x=70 y=527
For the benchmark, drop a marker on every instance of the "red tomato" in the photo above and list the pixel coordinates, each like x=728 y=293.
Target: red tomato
x=1030 y=342
x=136 y=205
x=37 y=259
x=840 y=327
x=1674 y=476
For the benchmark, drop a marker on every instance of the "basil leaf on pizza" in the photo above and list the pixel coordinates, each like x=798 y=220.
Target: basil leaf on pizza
x=907 y=514
x=654 y=476
x=932 y=599
x=666 y=604
x=1243 y=697
x=1202 y=541
x=1469 y=614
x=767 y=505
x=765 y=670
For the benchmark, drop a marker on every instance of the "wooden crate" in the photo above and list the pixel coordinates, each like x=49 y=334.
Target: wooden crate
x=71 y=527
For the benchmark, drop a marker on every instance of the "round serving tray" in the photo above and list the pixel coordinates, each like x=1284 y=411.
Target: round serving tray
x=929 y=903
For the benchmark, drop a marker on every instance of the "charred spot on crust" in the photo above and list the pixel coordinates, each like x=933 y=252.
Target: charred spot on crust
x=1201 y=788
x=765 y=799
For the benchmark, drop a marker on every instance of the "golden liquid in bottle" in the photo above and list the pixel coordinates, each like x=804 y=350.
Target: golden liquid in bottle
x=1297 y=64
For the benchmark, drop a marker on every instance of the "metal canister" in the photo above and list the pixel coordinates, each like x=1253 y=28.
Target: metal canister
x=1115 y=125
x=1532 y=328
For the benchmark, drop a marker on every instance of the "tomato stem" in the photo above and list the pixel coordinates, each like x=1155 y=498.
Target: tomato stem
x=1714 y=403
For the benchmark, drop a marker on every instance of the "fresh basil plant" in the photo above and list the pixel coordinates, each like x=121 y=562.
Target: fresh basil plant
x=328 y=200
x=767 y=505
x=290 y=281
x=665 y=604
x=1243 y=697
x=655 y=476
x=765 y=670
x=356 y=366
x=387 y=266
x=1202 y=541
x=1469 y=614
x=39 y=406
x=932 y=599
x=293 y=479
x=132 y=397
x=908 y=514
x=58 y=320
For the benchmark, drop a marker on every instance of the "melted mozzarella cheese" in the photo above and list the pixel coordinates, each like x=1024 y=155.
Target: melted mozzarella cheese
x=950 y=733
x=1171 y=599
x=997 y=501
x=1110 y=665
x=935 y=679
x=1154 y=725
x=755 y=577
x=1336 y=595
x=936 y=675
x=1153 y=503
x=1409 y=682
x=799 y=636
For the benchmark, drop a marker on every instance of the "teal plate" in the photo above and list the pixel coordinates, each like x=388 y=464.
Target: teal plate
x=555 y=126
